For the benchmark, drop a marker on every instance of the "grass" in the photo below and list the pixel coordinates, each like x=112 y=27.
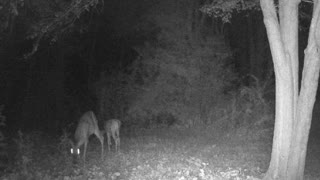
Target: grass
x=166 y=153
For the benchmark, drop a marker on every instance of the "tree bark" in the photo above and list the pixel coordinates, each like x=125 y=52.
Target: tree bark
x=293 y=110
x=306 y=99
x=284 y=94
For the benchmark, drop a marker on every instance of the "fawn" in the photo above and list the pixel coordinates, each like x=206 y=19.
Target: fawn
x=112 y=128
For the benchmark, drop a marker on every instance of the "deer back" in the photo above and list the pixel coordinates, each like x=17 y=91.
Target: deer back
x=112 y=125
x=87 y=126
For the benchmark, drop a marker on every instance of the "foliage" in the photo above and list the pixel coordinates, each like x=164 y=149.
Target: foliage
x=43 y=19
x=248 y=112
x=25 y=152
x=63 y=150
x=185 y=86
x=182 y=74
x=8 y=10
x=225 y=9
x=40 y=156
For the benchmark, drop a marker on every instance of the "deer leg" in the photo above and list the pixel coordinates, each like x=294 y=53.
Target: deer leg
x=102 y=147
x=109 y=141
x=85 y=151
x=116 y=143
x=117 y=140
x=101 y=139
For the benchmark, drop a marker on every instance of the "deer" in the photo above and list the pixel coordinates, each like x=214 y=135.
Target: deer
x=112 y=128
x=87 y=126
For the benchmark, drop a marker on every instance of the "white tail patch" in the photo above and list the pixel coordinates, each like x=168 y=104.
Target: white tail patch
x=112 y=128
x=87 y=126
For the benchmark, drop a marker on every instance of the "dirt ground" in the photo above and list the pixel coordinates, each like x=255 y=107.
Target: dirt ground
x=164 y=153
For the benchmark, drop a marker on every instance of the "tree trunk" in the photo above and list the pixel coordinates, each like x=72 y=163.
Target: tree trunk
x=293 y=112
x=306 y=99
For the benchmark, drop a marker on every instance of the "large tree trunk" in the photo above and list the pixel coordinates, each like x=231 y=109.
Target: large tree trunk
x=293 y=111
x=306 y=99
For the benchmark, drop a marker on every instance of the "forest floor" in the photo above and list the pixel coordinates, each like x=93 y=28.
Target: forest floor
x=163 y=153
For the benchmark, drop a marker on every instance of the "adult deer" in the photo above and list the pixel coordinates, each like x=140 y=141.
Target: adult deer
x=112 y=128
x=87 y=126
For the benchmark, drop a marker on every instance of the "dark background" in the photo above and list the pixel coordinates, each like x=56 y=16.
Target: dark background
x=130 y=60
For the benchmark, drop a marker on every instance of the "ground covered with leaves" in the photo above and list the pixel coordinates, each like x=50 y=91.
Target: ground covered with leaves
x=162 y=153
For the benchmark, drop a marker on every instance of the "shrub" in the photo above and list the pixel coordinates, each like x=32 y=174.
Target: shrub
x=247 y=112
x=64 y=151
x=24 y=155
